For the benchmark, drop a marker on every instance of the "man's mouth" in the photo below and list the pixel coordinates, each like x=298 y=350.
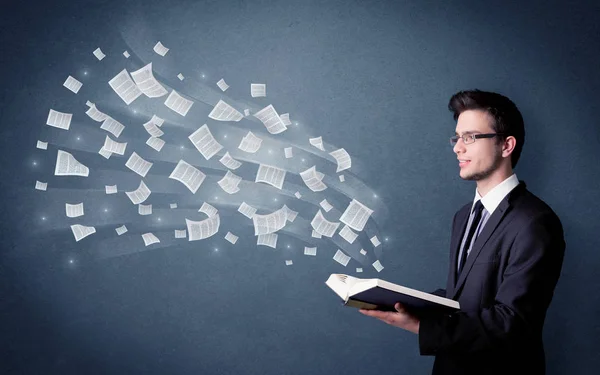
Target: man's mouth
x=463 y=162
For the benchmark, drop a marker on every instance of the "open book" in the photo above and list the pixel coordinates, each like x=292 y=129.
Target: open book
x=377 y=294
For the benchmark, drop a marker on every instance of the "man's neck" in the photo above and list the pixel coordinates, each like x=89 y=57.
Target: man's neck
x=486 y=185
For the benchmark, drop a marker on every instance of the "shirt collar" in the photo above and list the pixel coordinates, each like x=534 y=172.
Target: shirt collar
x=493 y=198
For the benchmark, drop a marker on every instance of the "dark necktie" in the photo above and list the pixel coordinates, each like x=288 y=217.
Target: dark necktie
x=477 y=210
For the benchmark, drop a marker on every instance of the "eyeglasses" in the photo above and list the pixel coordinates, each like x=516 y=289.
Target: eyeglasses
x=470 y=138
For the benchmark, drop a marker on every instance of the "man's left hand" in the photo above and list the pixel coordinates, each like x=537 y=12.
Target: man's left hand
x=401 y=318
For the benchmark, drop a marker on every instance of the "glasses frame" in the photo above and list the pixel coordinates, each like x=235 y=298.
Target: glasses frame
x=472 y=137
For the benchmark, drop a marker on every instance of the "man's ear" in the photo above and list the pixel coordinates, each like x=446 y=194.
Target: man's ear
x=508 y=146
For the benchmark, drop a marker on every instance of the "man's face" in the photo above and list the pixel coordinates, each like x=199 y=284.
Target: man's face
x=482 y=157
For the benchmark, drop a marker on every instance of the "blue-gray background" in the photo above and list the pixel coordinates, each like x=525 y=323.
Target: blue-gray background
x=372 y=77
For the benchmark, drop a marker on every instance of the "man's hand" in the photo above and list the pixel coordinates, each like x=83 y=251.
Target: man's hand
x=401 y=318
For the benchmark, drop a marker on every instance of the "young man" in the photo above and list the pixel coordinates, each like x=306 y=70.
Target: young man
x=506 y=253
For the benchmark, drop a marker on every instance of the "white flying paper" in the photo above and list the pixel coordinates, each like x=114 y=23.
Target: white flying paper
x=178 y=103
x=298 y=195
x=95 y=114
x=153 y=129
x=123 y=85
x=356 y=215
x=140 y=194
x=156 y=143
x=270 y=175
x=247 y=210
x=312 y=179
x=204 y=142
x=229 y=183
x=343 y=159
x=126 y=54
x=110 y=189
x=225 y=112
x=270 y=223
x=42 y=145
x=375 y=241
x=138 y=165
x=222 y=85
x=74 y=210
x=231 y=237
x=317 y=142
x=341 y=258
x=377 y=265
x=59 y=120
x=112 y=126
x=121 y=230
x=310 y=251
x=347 y=234
x=149 y=239
x=99 y=54
x=258 y=90
x=67 y=165
x=145 y=81
x=250 y=143
x=288 y=152
x=199 y=230
x=188 y=175
x=208 y=209
x=113 y=146
x=43 y=186
x=326 y=206
x=72 y=84
x=81 y=231
x=267 y=240
x=180 y=76
x=160 y=49
x=180 y=233
x=144 y=209
x=322 y=226
x=270 y=119
x=230 y=162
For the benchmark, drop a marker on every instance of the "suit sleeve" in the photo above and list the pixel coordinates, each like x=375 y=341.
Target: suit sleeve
x=521 y=301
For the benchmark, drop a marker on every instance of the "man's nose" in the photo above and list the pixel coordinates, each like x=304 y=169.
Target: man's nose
x=459 y=146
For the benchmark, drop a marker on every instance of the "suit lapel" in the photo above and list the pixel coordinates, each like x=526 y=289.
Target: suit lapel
x=459 y=232
x=483 y=237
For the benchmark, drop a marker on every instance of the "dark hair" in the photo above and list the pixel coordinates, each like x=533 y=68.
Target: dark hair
x=506 y=115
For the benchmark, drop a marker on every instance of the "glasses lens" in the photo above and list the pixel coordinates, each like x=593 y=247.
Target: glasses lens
x=453 y=140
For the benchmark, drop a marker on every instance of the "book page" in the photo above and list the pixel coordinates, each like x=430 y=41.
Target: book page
x=356 y=215
x=110 y=189
x=178 y=103
x=225 y=112
x=208 y=209
x=230 y=162
x=322 y=226
x=59 y=120
x=229 y=183
x=99 y=54
x=153 y=129
x=149 y=239
x=74 y=210
x=341 y=258
x=160 y=49
x=188 y=175
x=146 y=83
x=180 y=233
x=267 y=240
x=343 y=159
x=347 y=234
x=258 y=90
x=72 y=84
x=222 y=85
x=121 y=230
x=325 y=205
x=199 y=230
x=270 y=119
x=67 y=165
x=317 y=142
x=139 y=195
x=231 y=237
x=204 y=142
x=138 y=165
x=310 y=251
x=124 y=87
x=144 y=210
x=270 y=175
x=42 y=145
x=113 y=146
x=43 y=186
x=311 y=179
x=81 y=231
x=95 y=114
x=156 y=143
x=270 y=223
x=247 y=210
x=250 y=143
x=111 y=125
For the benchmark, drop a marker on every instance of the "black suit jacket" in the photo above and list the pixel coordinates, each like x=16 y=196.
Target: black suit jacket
x=504 y=291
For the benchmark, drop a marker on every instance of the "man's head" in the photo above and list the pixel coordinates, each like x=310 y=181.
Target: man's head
x=479 y=113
